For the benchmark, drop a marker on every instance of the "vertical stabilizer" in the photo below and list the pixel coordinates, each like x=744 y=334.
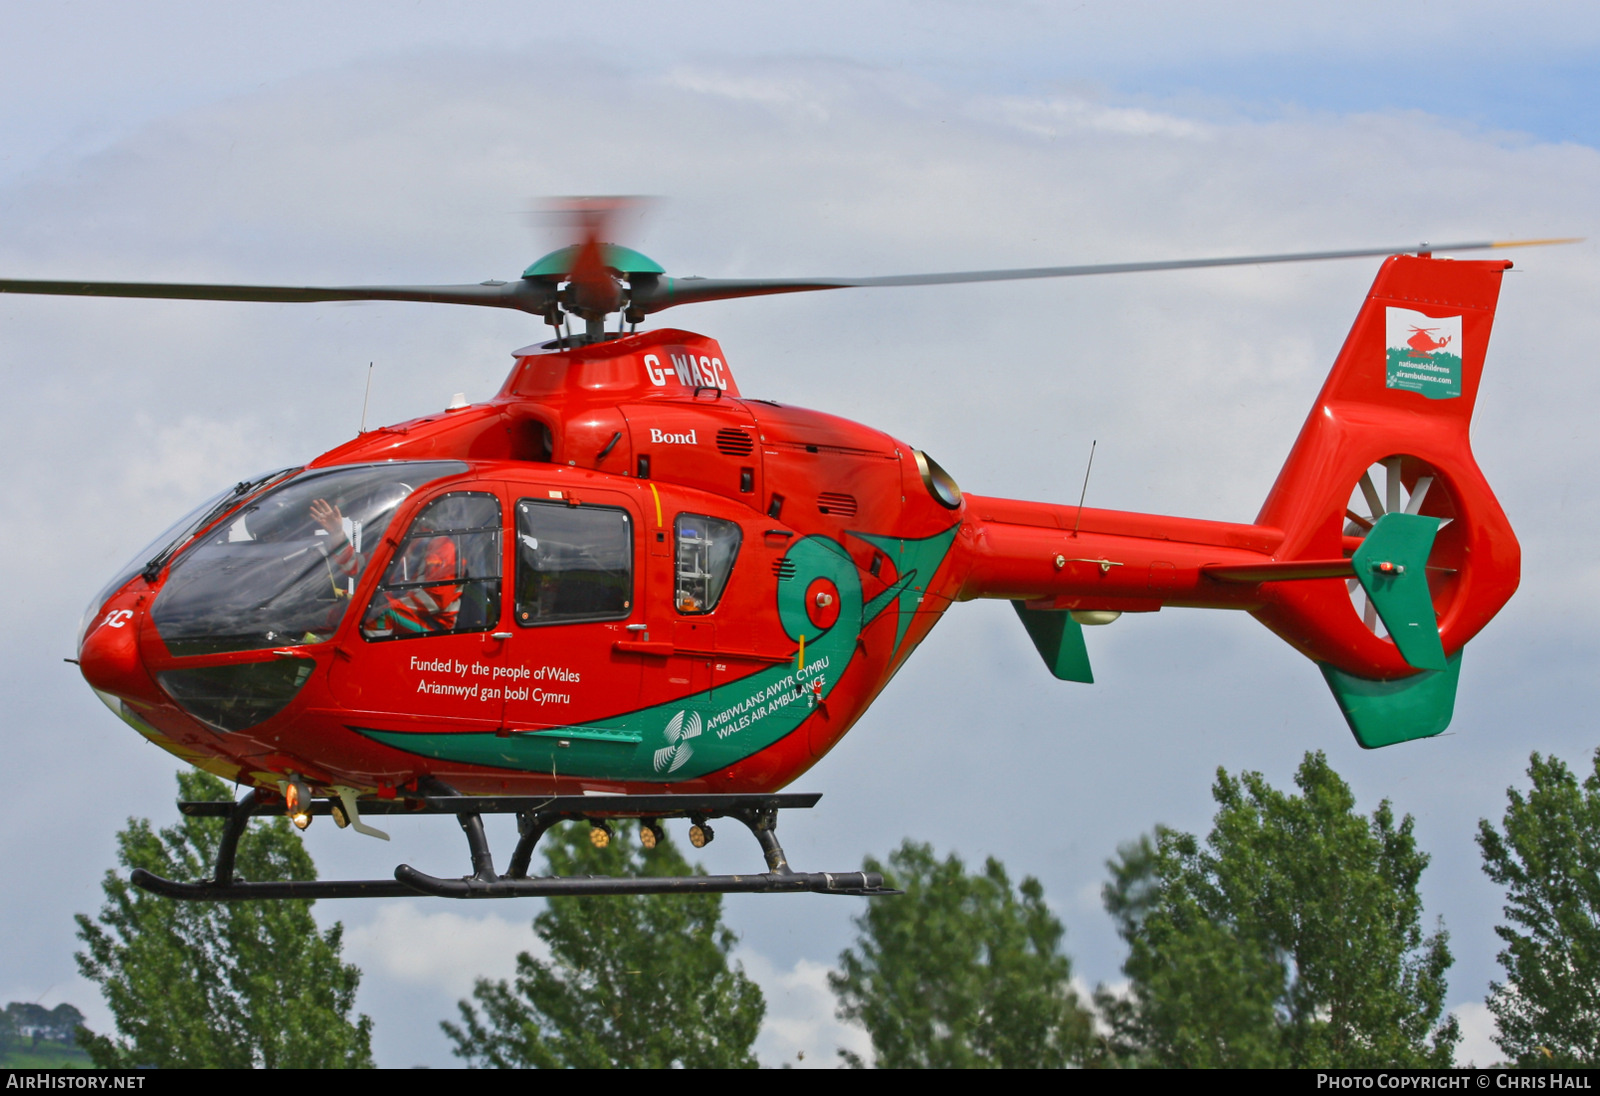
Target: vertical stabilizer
x=1386 y=445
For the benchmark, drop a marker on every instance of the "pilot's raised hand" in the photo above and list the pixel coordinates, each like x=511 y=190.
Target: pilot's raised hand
x=327 y=515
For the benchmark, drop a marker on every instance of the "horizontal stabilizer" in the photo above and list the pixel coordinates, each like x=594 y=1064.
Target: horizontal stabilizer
x=1392 y=566
x=1059 y=639
x=1381 y=713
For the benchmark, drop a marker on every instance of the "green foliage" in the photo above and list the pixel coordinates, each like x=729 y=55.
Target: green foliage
x=637 y=981
x=37 y=1024
x=1291 y=939
x=35 y=1037
x=218 y=984
x=1549 y=1008
x=961 y=971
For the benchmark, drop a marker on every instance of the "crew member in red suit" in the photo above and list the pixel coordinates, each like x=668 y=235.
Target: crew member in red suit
x=401 y=608
x=431 y=606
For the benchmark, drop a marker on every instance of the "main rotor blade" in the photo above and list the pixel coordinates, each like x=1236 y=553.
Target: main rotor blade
x=524 y=295
x=675 y=291
x=650 y=293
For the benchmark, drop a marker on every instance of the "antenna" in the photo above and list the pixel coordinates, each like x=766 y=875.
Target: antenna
x=1084 y=493
x=370 y=396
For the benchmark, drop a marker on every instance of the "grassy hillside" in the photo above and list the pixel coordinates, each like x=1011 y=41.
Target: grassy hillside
x=45 y=1056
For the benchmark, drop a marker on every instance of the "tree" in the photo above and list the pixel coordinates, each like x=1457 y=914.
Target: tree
x=632 y=980
x=961 y=971
x=218 y=984
x=1292 y=938
x=1548 y=1010
x=35 y=1037
x=33 y=1024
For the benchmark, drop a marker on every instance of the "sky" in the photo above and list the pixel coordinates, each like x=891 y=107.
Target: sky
x=364 y=143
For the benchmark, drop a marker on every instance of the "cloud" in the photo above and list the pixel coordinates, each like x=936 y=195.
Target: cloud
x=1478 y=1030
x=792 y=95
x=800 y=1028
x=1054 y=117
x=444 y=952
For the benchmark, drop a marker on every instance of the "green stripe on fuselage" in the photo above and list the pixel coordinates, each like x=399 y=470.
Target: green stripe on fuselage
x=726 y=724
x=915 y=561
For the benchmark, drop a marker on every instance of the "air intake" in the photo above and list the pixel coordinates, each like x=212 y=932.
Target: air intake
x=735 y=443
x=783 y=568
x=837 y=504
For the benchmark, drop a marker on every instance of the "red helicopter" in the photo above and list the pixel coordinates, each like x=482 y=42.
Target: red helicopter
x=1423 y=344
x=621 y=590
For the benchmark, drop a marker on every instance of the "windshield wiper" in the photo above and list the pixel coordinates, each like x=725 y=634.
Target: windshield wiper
x=241 y=490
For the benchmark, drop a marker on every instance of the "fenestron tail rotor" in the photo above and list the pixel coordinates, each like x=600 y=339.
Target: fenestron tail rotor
x=1409 y=486
x=594 y=279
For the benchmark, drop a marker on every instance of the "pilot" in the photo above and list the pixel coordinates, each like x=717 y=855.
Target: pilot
x=343 y=548
x=414 y=605
x=342 y=555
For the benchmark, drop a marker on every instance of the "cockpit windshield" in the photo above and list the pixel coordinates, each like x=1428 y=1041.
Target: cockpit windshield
x=153 y=556
x=283 y=570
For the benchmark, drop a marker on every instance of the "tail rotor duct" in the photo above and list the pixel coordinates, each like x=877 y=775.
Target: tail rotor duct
x=1409 y=485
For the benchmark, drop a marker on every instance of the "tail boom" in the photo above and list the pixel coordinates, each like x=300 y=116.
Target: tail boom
x=1049 y=558
x=1061 y=557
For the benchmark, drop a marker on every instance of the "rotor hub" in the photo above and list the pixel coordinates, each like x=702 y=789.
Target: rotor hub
x=594 y=281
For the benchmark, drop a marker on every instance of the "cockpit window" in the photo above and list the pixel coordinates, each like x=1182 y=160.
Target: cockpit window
x=153 y=556
x=706 y=550
x=179 y=535
x=283 y=569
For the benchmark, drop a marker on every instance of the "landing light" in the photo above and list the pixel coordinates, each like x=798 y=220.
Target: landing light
x=649 y=834
x=297 y=802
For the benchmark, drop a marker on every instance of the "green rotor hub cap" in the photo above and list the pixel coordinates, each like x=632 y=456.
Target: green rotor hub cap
x=624 y=260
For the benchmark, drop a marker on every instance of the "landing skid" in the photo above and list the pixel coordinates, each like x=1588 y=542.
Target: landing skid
x=535 y=815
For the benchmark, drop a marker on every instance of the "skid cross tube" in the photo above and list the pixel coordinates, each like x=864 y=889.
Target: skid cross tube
x=535 y=816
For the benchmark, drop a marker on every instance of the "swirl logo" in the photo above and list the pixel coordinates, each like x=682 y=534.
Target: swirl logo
x=676 y=753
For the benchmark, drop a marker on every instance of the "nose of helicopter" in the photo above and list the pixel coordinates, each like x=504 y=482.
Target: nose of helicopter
x=109 y=657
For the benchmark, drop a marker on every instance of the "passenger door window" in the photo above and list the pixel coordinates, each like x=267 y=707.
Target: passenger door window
x=574 y=563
